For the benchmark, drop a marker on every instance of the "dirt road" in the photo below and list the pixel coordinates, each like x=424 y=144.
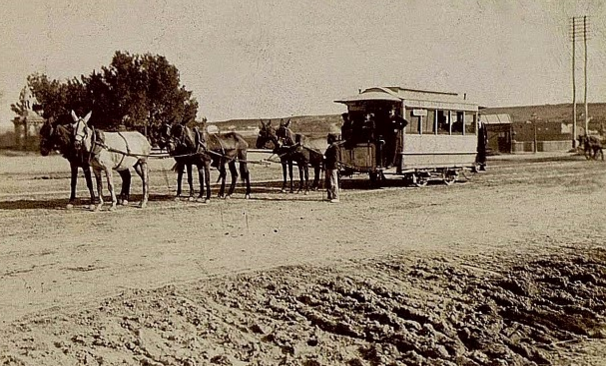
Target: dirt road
x=400 y=275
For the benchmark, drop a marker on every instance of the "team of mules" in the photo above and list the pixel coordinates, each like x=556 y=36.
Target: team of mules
x=195 y=146
x=58 y=135
x=86 y=147
x=185 y=146
x=291 y=150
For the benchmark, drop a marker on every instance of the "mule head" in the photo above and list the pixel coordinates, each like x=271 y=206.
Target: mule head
x=285 y=135
x=47 y=143
x=267 y=136
x=178 y=140
x=161 y=135
x=82 y=136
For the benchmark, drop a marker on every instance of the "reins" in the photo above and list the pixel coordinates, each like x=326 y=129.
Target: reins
x=168 y=155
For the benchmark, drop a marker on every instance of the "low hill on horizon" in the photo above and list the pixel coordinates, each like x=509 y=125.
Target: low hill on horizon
x=551 y=112
x=314 y=127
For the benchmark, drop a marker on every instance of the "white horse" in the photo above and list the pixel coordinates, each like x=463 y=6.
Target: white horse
x=113 y=151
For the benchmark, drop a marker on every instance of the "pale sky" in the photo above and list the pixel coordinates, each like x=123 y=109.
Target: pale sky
x=254 y=59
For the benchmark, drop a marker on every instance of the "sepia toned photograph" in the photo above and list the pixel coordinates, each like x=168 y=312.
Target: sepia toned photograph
x=314 y=183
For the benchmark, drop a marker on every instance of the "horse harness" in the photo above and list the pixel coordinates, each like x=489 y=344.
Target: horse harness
x=98 y=143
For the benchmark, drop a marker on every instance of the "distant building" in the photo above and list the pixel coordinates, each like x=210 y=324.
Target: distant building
x=499 y=132
x=554 y=124
x=508 y=136
x=27 y=130
x=27 y=125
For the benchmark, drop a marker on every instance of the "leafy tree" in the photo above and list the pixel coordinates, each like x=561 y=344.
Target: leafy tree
x=55 y=97
x=135 y=91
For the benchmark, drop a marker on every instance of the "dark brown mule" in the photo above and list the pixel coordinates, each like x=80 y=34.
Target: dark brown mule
x=185 y=145
x=302 y=155
x=58 y=136
x=268 y=139
x=228 y=148
x=223 y=149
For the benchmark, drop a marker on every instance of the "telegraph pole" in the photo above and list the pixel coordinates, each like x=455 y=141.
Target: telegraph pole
x=573 y=34
x=585 y=35
x=579 y=30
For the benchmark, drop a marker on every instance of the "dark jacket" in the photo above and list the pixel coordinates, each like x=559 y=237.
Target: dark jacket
x=331 y=156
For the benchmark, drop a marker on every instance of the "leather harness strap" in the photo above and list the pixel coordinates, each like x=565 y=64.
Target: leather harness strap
x=99 y=144
x=127 y=150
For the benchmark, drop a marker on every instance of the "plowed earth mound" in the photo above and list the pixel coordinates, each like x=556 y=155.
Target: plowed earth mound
x=497 y=310
x=507 y=267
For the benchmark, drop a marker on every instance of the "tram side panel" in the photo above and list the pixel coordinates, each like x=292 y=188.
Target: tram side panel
x=360 y=158
x=438 y=151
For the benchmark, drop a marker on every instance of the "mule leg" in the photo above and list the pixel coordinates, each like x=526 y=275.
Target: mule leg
x=306 y=171
x=200 y=166
x=89 y=184
x=180 y=169
x=290 y=176
x=284 y=175
x=207 y=180
x=124 y=196
x=109 y=175
x=99 y=180
x=245 y=173
x=73 y=183
x=234 y=177
x=145 y=182
x=222 y=177
x=301 y=176
x=143 y=170
x=190 y=180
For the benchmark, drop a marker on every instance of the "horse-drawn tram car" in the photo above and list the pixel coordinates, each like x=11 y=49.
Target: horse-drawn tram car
x=415 y=134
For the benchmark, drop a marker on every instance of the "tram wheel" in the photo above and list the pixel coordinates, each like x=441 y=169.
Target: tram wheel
x=420 y=180
x=375 y=179
x=449 y=178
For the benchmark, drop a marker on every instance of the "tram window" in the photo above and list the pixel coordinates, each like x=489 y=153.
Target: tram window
x=457 y=123
x=429 y=122
x=443 y=122
x=413 y=123
x=470 y=123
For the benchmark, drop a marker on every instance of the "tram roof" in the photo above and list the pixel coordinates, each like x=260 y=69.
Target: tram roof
x=413 y=98
x=369 y=96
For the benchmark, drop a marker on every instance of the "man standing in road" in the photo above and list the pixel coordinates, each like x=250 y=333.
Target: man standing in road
x=396 y=128
x=331 y=165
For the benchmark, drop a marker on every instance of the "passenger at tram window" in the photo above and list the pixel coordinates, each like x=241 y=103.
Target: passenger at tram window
x=397 y=123
x=457 y=123
x=356 y=122
x=429 y=123
x=443 y=122
x=368 y=127
x=347 y=127
x=470 y=123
